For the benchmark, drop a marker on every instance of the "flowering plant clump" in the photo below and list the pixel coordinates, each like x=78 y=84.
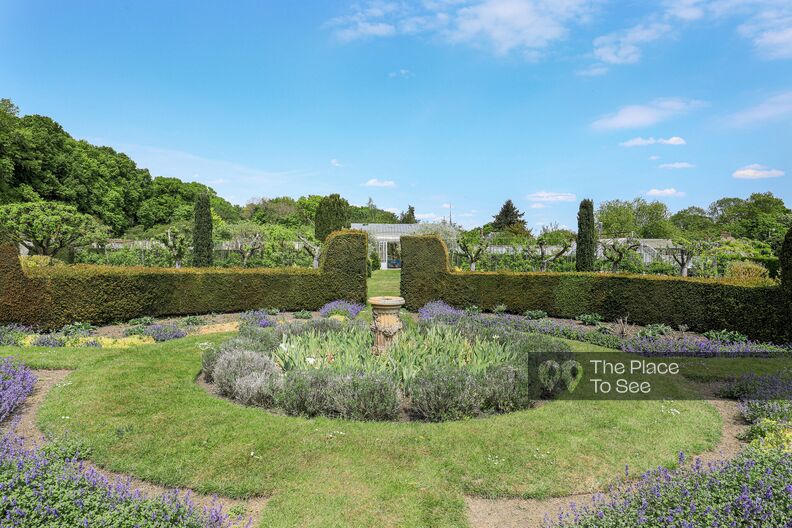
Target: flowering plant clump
x=49 y=340
x=16 y=384
x=766 y=403
x=439 y=310
x=698 y=347
x=341 y=307
x=50 y=487
x=254 y=318
x=164 y=332
x=753 y=489
x=13 y=334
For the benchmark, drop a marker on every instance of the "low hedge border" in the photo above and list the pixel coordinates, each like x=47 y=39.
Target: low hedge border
x=701 y=304
x=49 y=297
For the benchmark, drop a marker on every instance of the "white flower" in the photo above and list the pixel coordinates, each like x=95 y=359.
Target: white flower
x=310 y=360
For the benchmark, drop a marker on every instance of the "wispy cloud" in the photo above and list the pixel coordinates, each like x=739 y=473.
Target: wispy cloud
x=335 y=163
x=623 y=47
x=537 y=205
x=667 y=193
x=428 y=216
x=595 y=70
x=503 y=26
x=545 y=196
x=394 y=210
x=676 y=165
x=375 y=182
x=645 y=142
x=771 y=109
x=756 y=172
x=653 y=158
x=402 y=73
x=636 y=116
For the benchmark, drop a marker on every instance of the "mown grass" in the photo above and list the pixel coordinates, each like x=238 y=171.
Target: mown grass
x=141 y=412
x=384 y=282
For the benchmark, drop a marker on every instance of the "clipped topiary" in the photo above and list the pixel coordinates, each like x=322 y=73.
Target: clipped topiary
x=202 y=232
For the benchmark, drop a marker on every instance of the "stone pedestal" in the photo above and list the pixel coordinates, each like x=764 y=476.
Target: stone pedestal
x=385 y=324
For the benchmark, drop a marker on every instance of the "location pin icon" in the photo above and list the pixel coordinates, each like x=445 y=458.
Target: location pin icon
x=572 y=372
x=549 y=374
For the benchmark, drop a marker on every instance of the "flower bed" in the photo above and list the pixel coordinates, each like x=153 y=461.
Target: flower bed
x=326 y=367
x=16 y=384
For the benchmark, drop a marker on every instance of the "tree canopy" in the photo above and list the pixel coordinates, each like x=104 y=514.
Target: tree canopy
x=508 y=217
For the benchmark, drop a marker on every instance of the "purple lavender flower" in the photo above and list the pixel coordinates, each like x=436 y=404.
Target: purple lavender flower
x=697 y=347
x=49 y=340
x=164 y=332
x=16 y=384
x=12 y=334
x=439 y=310
x=341 y=307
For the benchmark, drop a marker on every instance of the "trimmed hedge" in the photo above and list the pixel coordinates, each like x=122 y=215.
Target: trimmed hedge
x=701 y=304
x=49 y=297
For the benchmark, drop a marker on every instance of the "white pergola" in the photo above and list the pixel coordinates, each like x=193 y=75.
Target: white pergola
x=384 y=234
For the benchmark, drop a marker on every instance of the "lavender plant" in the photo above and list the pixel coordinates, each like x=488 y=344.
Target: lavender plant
x=164 y=332
x=341 y=307
x=16 y=384
x=13 y=334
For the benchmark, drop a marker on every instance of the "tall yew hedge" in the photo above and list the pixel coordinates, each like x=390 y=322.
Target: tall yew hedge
x=701 y=304
x=49 y=297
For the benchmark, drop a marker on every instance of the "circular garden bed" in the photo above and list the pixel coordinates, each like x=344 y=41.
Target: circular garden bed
x=435 y=371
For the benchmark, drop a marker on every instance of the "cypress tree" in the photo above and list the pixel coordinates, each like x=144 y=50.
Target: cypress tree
x=202 y=232
x=331 y=215
x=586 y=237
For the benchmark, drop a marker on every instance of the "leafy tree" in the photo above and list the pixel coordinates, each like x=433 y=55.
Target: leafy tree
x=307 y=206
x=331 y=215
x=473 y=244
x=552 y=244
x=176 y=240
x=508 y=216
x=282 y=211
x=313 y=248
x=371 y=214
x=617 y=250
x=685 y=249
x=652 y=219
x=694 y=222
x=617 y=218
x=203 y=247
x=170 y=200
x=45 y=228
x=409 y=216
x=247 y=238
x=586 y=252
x=762 y=216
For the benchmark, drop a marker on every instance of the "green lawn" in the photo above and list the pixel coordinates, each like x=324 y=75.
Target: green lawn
x=384 y=282
x=140 y=412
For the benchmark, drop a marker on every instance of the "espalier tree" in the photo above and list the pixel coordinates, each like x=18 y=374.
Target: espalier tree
x=202 y=232
x=586 y=237
x=331 y=215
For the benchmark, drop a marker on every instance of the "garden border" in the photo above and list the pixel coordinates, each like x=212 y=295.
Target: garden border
x=50 y=297
x=702 y=304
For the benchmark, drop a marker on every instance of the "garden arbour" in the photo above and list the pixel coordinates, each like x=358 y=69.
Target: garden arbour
x=52 y=296
x=762 y=312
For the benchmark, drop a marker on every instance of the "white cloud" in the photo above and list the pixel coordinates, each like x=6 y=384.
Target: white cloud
x=446 y=206
x=526 y=26
x=769 y=28
x=643 y=142
x=773 y=108
x=622 y=47
x=394 y=210
x=636 y=116
x=335 y=163
x=685 y=9
x=537 y=205
x=544 y=196
x=595 y=70
x=669 y=193
x=402 y=73
x=653 y=158
x=374 y=182
x=428 y=216
x=756 y=172
x=676 y=165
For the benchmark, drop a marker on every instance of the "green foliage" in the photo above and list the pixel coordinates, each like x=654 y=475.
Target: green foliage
x=203 y=246
x=45 y=228
x=53 y=296
x=444 y=393
x=655 y=330
x=587 y=236
x=745 y=269
x=701 y=304
x=590 y=319
x=508 y=217
x=637 y=218
x=303 y=314
x=727 y=336
x=409 y=216
x=535 y=314
x=331 y=215
x=786 y=280
x=371 y=214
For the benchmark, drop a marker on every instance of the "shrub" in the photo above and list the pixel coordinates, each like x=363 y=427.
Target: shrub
x=499 y=309
x=444 y=393
x=693 y=347
x=257 y=388
x=332 y=214
x=272 y=311
x=193 y=320
x=590 y=319
x=727 y=336
x=341 y=307
x=746 y=306
x=655 y=330
x=163 y=332
x=233 y=364
x=77 y=330
x=142 y=321
x=507 y=388
x=535 y=314
x=50 y=297
x=366 y=396
x=13 y=334
x=303 y=314
x=745 y=269
x=209 y=356
x=438 y=309
x=307 y=393
x=586 y=252
x=135 y=330
x=49 y=340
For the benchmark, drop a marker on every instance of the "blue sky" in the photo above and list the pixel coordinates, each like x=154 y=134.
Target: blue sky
x=435 y=103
